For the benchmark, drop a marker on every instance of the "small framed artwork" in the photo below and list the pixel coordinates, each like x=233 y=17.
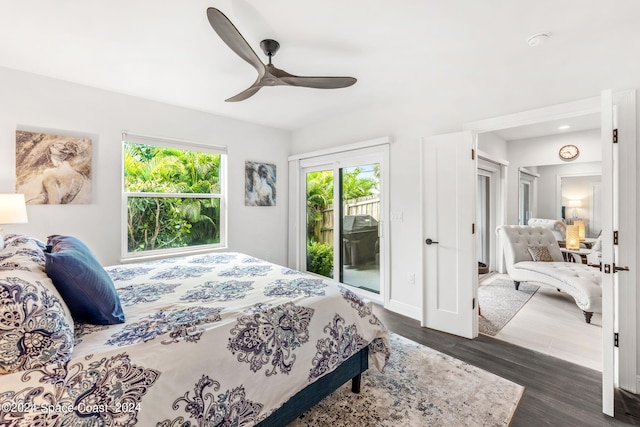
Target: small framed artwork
x=53 y=169
x=260 y=184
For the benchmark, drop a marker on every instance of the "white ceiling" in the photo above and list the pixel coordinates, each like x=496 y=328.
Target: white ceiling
x=454 y=53
x=552 y=127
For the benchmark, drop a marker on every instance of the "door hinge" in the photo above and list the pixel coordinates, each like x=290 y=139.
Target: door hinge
x=473 y=304
x=616 y=339
x=615 y=136
x=473 y=154
x=615 y=237
x=607 y=268
x=473 y=228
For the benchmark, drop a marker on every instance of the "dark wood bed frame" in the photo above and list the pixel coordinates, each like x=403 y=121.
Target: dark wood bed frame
x=309 y=396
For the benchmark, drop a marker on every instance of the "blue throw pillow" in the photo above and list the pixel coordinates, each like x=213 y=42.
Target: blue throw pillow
x=83 y=283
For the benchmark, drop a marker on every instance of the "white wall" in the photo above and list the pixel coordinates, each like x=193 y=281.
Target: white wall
x=34 y=102
x=543 y=151
x=493 y=145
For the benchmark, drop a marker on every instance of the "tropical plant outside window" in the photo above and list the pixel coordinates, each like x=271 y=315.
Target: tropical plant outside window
x=173 y=198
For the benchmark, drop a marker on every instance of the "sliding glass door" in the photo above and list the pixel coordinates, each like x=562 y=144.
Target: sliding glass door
x=320 y=245
x=359 y=226
x=343 y=218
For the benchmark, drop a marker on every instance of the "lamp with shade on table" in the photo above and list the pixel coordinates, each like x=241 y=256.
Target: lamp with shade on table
x=575 y=204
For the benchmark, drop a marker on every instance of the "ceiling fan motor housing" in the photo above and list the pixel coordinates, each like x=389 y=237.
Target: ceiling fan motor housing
x=269 y=47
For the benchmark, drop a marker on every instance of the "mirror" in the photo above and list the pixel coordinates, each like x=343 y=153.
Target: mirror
x=577 y=188
x=581 y=201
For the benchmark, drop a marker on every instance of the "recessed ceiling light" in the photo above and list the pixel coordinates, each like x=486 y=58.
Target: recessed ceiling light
x=564 y=127
x=537 y=39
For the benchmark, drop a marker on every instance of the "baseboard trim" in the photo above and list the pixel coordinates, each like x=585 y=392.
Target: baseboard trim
x=404 y=309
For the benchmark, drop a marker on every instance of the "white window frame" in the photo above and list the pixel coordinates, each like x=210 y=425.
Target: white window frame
x=129 y=137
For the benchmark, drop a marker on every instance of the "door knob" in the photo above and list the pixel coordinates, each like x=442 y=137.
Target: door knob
x=430 y=242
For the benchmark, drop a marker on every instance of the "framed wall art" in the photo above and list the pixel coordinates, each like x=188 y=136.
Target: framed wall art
x=260 y=184
x=53 y=169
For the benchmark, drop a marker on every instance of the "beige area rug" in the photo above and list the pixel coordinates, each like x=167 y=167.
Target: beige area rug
x=420 y=387
x=499 y=302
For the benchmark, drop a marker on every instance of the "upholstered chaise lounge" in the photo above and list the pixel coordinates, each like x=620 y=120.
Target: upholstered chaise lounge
x=557 y=227
x=532 y=254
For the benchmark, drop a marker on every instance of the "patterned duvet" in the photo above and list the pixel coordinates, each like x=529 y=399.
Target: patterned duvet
x=214 y=339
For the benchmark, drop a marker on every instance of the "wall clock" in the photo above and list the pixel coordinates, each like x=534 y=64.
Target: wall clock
x=568 y=152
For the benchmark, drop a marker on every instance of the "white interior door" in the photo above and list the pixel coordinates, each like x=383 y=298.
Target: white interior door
x=450 y=285
x=609 y=224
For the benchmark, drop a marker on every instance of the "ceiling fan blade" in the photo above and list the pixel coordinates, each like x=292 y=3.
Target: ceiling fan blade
x=247 y=93
x=319 y=82
x=232 y=37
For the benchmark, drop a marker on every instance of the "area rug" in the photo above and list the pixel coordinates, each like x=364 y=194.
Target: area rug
x=419 y=387
x=499 y=302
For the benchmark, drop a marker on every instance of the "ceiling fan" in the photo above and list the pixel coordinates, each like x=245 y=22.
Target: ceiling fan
x=268 y=74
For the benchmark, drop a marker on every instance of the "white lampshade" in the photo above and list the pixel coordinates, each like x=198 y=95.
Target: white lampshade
x=13 y=209
x=575 y=203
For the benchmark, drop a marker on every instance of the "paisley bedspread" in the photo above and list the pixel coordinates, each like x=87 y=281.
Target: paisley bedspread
x=214 y=339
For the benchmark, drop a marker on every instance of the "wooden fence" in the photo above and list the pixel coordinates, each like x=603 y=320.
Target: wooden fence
x=369 y=205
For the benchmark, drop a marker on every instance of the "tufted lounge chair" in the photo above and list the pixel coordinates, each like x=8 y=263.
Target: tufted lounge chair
x=532 y=254
x=557 y=227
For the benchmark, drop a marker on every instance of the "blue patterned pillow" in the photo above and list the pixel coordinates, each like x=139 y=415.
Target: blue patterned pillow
x=83 y=283
x=36 y=327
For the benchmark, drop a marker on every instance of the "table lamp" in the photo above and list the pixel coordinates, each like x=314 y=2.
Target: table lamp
x=13 y=210
x=572 y=239
x=575 y=204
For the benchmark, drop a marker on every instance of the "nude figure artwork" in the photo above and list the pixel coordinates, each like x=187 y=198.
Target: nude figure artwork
x=53 y=169
x=260 y=184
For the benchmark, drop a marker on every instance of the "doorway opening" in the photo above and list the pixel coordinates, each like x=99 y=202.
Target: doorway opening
x=489 y=213
x=534 y=193
x=617 y=113
x=527 y=196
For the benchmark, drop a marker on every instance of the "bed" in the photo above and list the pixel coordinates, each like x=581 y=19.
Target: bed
x=212 y=339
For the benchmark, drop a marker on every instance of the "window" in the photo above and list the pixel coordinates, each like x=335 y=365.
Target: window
x=173 y=196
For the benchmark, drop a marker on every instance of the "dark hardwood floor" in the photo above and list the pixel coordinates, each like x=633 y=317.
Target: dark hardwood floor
x=557 y=393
